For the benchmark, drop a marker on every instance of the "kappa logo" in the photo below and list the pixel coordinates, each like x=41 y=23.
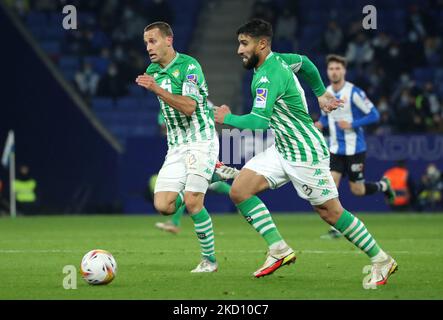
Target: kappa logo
x=264 y=79
x=191 y=67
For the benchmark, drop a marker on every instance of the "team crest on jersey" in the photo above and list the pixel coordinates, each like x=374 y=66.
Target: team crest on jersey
x=260 y=98
x=155 y=75
x=176 y=73
x=192 y=78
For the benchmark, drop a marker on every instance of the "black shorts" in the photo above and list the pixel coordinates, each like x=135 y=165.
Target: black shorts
x=351 y=166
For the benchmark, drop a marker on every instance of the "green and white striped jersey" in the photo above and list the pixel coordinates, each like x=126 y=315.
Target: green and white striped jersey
x=184 y=76
x=279 y=98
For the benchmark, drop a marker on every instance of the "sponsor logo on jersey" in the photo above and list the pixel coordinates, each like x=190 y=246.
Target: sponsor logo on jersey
x=176 y=73
x=191 y=67
x=264 y=79
x=192 y=78
x=260 y=98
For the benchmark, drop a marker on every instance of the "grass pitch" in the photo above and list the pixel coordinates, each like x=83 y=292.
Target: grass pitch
x=156 y=265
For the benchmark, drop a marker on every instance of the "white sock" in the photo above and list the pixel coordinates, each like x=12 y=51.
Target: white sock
x=381 y=256
x=279 y=245
x=384 y=186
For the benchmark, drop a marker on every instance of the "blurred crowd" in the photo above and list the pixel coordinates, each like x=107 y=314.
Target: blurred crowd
x=398 y=73
x=402 y=75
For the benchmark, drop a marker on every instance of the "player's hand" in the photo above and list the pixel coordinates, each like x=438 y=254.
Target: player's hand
x=328 y=102
x=344 y=125
x=318 y=125
x=147 y=82
x=220 y=113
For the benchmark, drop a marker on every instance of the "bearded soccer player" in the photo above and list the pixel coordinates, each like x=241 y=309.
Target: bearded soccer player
x=347 y=140
x=299 y=154
x=178 y=81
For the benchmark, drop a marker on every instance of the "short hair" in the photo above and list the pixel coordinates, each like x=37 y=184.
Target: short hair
x=257 y=28
x=336 y=58
x=165 y=28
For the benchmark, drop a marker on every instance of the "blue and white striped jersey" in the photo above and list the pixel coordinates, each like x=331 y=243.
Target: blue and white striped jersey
x=357 y=110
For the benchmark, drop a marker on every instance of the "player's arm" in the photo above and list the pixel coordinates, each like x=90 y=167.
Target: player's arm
x=364 y=104
x=264 y=97
x=322 y=121
x=303 y=66
x=181 y=103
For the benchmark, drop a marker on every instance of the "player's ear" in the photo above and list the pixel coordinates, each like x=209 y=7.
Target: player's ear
x=170 y=40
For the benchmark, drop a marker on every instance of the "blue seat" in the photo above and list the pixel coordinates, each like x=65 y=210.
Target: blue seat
x=102 y=104
x=51 y=47
x=128 y=103
x=69 y=62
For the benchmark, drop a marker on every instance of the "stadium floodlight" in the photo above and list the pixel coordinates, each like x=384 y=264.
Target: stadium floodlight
x=8 y=160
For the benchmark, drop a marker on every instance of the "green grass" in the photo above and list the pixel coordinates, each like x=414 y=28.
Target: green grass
x=155 y=265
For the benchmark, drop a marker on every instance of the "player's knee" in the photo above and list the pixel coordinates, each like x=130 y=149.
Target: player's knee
x=330 y=211
x=193 y=202
x=163 y=207
x=237 y=194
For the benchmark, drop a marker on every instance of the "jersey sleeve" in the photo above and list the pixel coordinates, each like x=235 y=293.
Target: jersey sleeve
x=294 y=61
x=265 y=92
x=193 y=81
x=361 y=101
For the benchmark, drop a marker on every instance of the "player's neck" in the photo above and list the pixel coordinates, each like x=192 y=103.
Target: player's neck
x=338 y=86
x=168 y=58
x=262 y=58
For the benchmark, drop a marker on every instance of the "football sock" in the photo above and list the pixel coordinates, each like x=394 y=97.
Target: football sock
x=179 y=209
x=258 y=216
x=355 y=231
x=220 y=187
x=177 y=216
x=373 y=187
x=205 y=233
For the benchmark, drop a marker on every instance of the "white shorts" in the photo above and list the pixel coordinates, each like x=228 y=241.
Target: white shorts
x=197 y=158
x=313 y=183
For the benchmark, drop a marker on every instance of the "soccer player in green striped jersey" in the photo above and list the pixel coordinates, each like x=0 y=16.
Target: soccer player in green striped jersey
x=299 y=155
x=179 y=83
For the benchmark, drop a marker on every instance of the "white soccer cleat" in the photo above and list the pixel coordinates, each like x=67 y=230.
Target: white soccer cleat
x=226 y=172
x=168 y=226
x=206 y=266
x=274 y=260
x=381 y=271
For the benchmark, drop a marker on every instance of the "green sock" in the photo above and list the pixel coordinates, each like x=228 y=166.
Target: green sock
x=215 y=178
x=205 y=233
x=257 y=215
x=355 y=231
x=179 y=209
x=220 y=187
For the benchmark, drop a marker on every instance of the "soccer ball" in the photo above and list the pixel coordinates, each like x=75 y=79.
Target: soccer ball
x=98 y=267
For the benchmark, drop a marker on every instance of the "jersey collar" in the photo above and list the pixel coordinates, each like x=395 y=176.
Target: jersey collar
x=267 y=58
x=170 y=63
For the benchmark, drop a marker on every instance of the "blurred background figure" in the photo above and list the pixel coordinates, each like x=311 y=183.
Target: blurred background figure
x=403 y=185
x=430 y=190
x=25 y=191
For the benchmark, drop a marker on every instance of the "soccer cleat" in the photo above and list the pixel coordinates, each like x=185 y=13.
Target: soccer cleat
x=205 y=266
x=275 y=260
x=226 y=172
x=381 y=271
x=168 y=226
x=332 y=234
x=390 y=193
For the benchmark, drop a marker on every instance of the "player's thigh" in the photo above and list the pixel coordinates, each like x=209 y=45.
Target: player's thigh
x=247 y=184
x=200 y=161
x=172 y=175
x=312 y=183
x=263 y=171
x=355 y=167
x=337 y=177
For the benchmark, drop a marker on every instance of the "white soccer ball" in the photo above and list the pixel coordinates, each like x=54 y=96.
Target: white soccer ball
x=98 y=267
